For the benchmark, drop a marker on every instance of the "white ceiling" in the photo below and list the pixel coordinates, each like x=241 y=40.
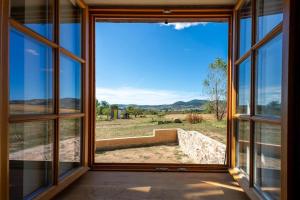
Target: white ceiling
x=160 y=2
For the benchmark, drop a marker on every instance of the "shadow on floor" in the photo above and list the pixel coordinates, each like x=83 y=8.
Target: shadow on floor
x=154 y=186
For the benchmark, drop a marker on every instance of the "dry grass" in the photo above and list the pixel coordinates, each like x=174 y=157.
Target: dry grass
x=36 y=109
x=136 y=127
x=183 y=116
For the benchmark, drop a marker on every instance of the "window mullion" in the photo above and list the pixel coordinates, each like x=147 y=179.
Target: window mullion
x=56 y=92
x=252 y=95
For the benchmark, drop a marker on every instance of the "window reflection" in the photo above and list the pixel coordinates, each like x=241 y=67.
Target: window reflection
x=267 y=159
x=69 y=145
x=245 y=28
x=70 y=26
x=31 y=75
x=70 y=85
x=34 y=14
x=243 y=136
x=268 y=83
x=30 y=158
x=269 y=13
x=243 y=87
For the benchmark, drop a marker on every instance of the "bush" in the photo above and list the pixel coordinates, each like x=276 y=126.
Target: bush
x=161 y=114
x=153 y=120
x=194 y=118
x=177 y=121
x=163 y=122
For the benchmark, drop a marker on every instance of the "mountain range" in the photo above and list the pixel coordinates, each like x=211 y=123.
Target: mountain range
x=195 y=104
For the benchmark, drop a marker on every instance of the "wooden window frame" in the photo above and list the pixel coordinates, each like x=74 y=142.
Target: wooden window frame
x=4 y=182
x=5 y=118
x=283 y=27
x=290 y=97
x=157 y=14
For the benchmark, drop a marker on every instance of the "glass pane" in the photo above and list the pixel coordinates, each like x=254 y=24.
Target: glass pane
x=70 y=26
x=69 y=145
x=34 y=14
x=70 y=85
x=268 y=74
x=243 y=145
x=267 y=159
x=245 y=27
x=31 y=75
x=269 y=13
x=30 y=158
x=243 y=87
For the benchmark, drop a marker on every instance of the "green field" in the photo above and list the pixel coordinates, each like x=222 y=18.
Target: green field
x=144 y=126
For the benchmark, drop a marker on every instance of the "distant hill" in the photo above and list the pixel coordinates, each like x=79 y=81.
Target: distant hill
x=67 y=103
x=194 y=104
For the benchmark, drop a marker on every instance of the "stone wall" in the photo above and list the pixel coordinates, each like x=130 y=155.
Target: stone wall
x=200 y=148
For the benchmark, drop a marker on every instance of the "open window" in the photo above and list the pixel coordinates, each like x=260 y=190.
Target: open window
x=160 y=91
x=46 y=109
x=258 y=87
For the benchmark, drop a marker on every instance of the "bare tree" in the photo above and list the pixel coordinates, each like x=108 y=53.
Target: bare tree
x=216 y=87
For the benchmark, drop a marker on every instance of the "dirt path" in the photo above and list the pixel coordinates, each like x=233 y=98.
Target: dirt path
x=154 y=154
x=69 y=152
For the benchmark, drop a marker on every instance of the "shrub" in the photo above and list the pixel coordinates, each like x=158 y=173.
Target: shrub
x=153 y=120
x=163 y=122
x=160 y=114
x=177 y=121
x=194 y=118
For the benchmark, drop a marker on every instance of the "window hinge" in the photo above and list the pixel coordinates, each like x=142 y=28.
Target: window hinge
x=162 y=169
x=182 y=169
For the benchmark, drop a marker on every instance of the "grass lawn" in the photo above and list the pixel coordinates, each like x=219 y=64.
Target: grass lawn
x=135 y=127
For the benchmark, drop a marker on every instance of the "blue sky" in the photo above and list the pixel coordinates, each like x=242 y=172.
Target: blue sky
x=154 y=63
x=139 y=63
x=31 y=68
x=31 y=72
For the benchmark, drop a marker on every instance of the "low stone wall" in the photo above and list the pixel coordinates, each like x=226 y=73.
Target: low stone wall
x=200 y=148
x=160 y=136
x=267 y=149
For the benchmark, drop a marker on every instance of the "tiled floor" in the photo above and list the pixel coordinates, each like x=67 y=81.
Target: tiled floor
x=154 y=186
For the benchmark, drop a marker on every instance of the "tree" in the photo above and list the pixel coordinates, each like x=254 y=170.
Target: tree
x=130 y=110
x=137 y=111
x=215 y=85
x=104 y=104
x=102 y=107
x=114 y=107
x=208 y=107
x=106 y=111
x=98 y=108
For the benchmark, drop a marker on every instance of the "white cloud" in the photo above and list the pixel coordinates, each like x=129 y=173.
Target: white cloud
x=265 y=94
x=32 y=51
x=269 y=94
x=128 y=95
x=183 y=25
